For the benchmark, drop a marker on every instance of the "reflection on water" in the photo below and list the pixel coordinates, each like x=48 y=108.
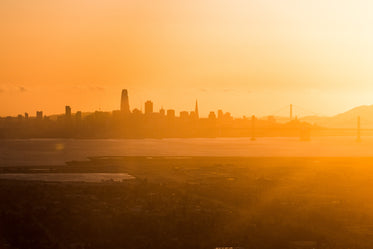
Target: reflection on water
x=58 y=151
x=68 y=177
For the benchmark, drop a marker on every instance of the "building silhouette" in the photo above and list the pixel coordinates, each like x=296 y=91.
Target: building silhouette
x=162 y=112
x=184 y=115
x=124 y=102
x=220 y=114
x=212 y=116
x=148 y=107
x=68 y=111
x=137 y=124
x=193 y=115
x=39 y=115
x=171 y=113
x=196 y=110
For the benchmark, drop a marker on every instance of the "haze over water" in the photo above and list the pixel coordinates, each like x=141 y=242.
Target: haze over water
x=58 y=151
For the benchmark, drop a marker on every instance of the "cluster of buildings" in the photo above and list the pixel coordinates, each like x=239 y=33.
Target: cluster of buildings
x=170 y=113
x=149 y=111
x=125 y=123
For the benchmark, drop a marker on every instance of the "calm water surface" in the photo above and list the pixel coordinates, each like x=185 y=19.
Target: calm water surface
x=58 y=151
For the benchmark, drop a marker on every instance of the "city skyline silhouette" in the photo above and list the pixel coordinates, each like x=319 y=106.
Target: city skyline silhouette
x=124 y=107
x=207 y=124
x=163 y=123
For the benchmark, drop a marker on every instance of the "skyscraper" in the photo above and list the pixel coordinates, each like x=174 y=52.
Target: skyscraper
x=212 y=116
x=196 y=110
x=68 y=111
x=39 y=115
x=148 y=107
x=220 y=114
x=171 y=113
x=184 y=115
x=124 y=103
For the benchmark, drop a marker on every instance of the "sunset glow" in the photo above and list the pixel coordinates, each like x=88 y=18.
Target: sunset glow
x=247 y=57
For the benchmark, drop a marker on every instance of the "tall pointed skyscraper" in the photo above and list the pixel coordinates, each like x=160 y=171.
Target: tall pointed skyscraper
x=196 y=109
x=124 y=103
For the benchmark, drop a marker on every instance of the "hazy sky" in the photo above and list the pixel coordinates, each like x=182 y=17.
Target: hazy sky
x=247 y=57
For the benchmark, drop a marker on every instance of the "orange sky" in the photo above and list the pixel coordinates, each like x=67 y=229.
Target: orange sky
x=247 y=57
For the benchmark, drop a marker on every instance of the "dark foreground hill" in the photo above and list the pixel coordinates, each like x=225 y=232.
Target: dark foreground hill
x=194 y=203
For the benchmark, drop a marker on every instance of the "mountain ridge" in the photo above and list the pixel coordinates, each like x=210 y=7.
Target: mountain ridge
x=347 y=119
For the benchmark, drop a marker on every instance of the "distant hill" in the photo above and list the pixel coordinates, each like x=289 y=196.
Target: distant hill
x=347 y=119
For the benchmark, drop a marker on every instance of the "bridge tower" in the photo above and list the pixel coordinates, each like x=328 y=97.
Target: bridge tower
x=358 y=138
